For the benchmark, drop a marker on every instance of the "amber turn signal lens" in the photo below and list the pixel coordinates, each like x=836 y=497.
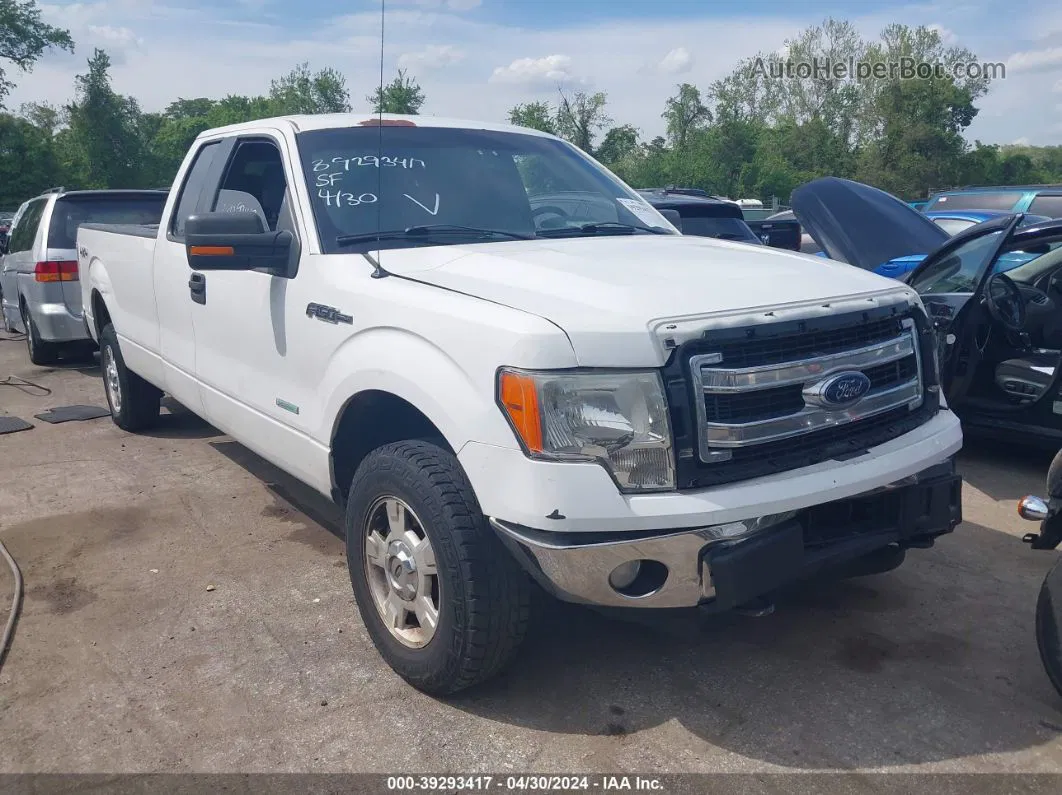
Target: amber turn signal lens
x=519 y=397
x=213 y=251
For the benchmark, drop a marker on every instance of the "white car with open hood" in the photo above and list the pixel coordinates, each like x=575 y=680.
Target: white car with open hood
x=517 y=376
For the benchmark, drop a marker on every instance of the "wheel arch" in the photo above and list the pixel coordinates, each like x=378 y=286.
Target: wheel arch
x=368 y=420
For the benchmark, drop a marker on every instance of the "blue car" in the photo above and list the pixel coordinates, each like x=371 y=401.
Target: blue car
x=953 y=222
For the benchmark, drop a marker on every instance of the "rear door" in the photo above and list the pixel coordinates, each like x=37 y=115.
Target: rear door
x=71 y=210
x=20 y=260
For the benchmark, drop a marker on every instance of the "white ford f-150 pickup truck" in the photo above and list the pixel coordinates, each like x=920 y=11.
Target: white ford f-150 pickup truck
x=517 y=376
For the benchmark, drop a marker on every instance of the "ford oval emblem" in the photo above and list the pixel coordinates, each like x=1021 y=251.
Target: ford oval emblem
x=843 y=389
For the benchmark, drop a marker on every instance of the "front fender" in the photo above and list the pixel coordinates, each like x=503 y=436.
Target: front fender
x=457 y=398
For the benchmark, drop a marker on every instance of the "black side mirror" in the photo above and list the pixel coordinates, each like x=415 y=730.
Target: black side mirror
x=236 y=241
x=673 y=218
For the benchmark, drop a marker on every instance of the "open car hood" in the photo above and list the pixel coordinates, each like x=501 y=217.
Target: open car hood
x=861 y=225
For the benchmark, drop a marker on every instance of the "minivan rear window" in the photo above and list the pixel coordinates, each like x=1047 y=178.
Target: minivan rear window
x=72 y=210
x=977 y=200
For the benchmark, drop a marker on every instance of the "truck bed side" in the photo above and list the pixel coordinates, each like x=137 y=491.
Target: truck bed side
x=116 y=265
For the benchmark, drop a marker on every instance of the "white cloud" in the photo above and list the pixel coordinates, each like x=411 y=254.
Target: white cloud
x=1035 y=60
x=434 y=56
x=121 y=37
x=678 y=61
x=1023 y=141
x=547 y=71
x=947 y=36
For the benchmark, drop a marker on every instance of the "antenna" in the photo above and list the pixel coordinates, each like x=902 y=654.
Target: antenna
x=379 y=272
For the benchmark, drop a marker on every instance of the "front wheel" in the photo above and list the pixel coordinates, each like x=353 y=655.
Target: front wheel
x=135 y=404
x=443 y=601
x=1049 y=625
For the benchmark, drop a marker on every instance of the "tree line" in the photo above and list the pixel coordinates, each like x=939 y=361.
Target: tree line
x=750 y=134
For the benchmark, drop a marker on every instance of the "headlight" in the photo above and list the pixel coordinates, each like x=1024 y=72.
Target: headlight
x=617 y=419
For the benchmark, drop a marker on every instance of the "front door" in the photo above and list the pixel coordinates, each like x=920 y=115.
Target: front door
x=171 y=275
x=246 y=364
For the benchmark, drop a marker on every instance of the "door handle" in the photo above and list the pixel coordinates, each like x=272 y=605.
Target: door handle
x=197 y=287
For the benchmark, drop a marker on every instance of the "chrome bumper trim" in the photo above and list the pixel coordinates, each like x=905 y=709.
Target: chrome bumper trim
x=579 y=573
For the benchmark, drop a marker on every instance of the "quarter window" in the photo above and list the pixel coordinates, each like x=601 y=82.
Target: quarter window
x=25 y=231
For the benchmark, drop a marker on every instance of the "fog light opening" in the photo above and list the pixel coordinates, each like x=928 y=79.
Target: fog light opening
x=638 y=578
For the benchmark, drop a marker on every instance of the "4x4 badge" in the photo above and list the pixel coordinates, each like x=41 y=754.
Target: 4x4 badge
x=329 y=314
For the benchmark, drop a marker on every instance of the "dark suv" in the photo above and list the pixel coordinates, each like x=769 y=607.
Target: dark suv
x=705 y=215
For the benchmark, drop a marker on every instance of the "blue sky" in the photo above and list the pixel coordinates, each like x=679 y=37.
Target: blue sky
x=477 y=58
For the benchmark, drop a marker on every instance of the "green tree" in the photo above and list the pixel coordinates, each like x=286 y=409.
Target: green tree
x=28 y=163
x=43 y=115
x=301 y=91
x=684 y=113
x=581 y=116
x=403 y=95
x=920 y=147
x=1018 y=169
x=535 y=115
x=101 y=147
x=981 y=165
x=24 y=38
x=619 y=144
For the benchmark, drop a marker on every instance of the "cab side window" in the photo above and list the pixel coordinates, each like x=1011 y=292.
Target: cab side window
x=25 y=230
x=254 y=182
x=192 y=189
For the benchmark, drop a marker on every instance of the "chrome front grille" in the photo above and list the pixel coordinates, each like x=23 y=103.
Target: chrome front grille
x=760 y=397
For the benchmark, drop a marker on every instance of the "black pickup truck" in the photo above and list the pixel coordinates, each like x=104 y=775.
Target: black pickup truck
x=710 y=216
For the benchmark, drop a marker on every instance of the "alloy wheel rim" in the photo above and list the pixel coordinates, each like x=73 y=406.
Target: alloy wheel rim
x=110 y=378
x=401 y=572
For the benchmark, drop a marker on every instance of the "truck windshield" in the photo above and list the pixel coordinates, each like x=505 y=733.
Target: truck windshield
x=72 y=210
x=499 y=186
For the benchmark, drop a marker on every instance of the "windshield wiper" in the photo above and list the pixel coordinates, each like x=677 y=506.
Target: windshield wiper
x=428 y=231
x=601 y=227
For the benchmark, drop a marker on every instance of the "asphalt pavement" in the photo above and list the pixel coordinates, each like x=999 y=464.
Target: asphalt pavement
x=188 y=609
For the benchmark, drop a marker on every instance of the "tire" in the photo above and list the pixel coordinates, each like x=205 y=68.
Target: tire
x=134 y=403
x=1049 y=625
x=41 y=353
x=482 y=596
x=1054 y=477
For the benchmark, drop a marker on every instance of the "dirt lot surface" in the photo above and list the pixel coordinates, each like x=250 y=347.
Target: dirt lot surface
x=188 y=609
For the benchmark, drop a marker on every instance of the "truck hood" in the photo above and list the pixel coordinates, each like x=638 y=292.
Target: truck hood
x=861 y=225
x=612 y=296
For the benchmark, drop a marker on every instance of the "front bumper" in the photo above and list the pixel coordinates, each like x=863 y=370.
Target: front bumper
x=723 y=566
